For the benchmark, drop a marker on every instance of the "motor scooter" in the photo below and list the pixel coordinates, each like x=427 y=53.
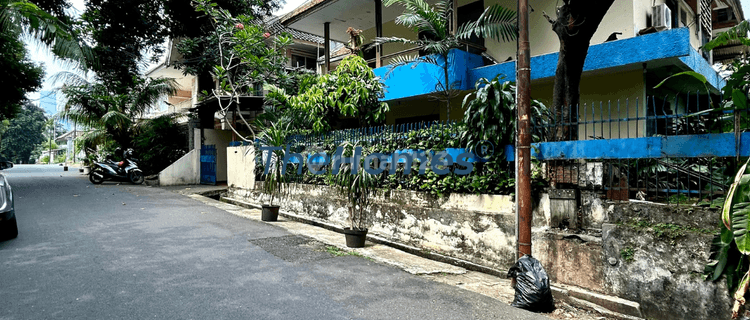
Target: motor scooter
x=125 y=170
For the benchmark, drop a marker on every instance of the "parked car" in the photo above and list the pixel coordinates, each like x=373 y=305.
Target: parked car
x=8 y=226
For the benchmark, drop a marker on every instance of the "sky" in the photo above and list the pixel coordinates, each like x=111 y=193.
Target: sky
x=52 y=66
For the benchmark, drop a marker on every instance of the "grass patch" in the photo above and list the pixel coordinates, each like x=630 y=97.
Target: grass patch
x=336 y=251
x=627 y=254
x=666 y=230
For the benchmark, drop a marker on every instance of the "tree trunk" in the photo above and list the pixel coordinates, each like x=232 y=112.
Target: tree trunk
x=576 y=23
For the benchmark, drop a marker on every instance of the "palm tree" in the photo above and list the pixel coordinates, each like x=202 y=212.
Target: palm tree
x=433 y=22
x=110 y=116
x=18 y=17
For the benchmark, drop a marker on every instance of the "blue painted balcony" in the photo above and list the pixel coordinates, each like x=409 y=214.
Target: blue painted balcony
x=670 y=47
x=418 y=79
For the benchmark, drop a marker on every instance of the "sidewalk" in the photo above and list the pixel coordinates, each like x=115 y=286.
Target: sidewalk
x=485 y=284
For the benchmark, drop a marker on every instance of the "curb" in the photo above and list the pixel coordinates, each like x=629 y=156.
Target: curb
x=605 y=305
x=379 y=240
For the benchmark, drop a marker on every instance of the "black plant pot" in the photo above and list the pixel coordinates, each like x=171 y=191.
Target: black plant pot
x=355 y=238
x=270 y=213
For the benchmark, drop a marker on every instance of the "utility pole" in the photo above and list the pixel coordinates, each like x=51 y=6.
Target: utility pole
x=49 y=152
x=523 y=136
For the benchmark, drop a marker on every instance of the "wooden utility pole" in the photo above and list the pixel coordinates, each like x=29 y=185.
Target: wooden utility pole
x=523 y=136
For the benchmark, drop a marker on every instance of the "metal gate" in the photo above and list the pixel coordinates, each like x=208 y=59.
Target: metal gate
x=208 y=164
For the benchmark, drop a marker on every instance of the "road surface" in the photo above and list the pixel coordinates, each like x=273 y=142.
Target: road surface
x=118 y=251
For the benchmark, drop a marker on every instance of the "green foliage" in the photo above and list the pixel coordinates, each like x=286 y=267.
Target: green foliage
x=198 y=32
x=490 y=113
x=627 y=254
x=492 y=177
x=52 y=31
x=730 y=248
x=666 y=230
x=736 y=33
x=24 y=133
x=352 y=90
x=20 y=75
x=275 y=181
x=245 y=58
x=45 y=159
x=358 y=187
x=433 y=21
x=49 y=145
x=158 y=143
x=112 y=116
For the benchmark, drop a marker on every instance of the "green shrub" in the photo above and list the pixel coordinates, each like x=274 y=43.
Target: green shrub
x=158 y=143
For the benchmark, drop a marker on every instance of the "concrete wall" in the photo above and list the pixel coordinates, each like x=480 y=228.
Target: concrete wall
x=186 y=170
x=240 y=167
x=478 y=228
x=627 y=256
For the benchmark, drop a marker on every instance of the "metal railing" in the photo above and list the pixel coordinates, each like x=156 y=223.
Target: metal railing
x=678 y=149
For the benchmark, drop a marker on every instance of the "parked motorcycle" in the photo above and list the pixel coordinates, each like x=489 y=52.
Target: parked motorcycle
x=125 y=170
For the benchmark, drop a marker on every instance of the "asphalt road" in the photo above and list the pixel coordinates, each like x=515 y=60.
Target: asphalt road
x=136 y=252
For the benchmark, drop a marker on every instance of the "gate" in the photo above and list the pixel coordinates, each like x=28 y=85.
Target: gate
x=208 y=164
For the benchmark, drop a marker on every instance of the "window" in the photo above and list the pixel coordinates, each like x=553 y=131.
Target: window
x=303 y=62
x=725 y=14
x=683 y=17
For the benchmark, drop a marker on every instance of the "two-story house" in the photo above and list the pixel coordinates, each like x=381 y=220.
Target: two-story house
x=207 y=126
x=638 y=44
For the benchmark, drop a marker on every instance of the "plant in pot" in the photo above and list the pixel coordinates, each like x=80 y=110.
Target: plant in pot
x=358 y=187
x=275 y=183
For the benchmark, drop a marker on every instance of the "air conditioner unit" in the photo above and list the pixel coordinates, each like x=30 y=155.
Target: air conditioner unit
x=661 y=17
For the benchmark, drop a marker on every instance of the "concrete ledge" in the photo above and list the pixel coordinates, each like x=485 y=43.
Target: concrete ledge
x=375 y=239
x=609 y=305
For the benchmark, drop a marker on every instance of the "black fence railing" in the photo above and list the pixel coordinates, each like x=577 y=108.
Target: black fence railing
x=696 y=168
x=700 y=176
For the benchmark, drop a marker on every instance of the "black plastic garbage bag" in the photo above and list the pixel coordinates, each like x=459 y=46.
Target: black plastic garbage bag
x=533 y=292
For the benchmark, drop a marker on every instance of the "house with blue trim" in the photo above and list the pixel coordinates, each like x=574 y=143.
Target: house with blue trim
x=638 y=44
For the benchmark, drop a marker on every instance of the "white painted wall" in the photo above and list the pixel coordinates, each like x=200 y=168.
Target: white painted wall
x=241 y=167
x=184 y=171
x=625 y=16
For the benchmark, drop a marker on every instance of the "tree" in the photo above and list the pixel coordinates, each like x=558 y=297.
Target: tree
x=576 y=23
x=433 y=24
x=111 y=115
x=20 y=75
x=197 y=30
x=158 y=143
x=352 y=90
x=127 y=33
x=54 y=32
x=247 y=57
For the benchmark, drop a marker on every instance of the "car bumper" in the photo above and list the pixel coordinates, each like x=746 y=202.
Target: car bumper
x=7 y=215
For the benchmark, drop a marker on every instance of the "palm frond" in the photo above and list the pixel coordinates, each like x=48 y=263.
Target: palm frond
x=410 y=60
x=93 y=138
x=116 y=119
x=148 y=95
x=440 y=47
x=48 y=30
x=736 y=33
x=383 y=40
x=496 y=22
x=429 y=19
x=69 y=78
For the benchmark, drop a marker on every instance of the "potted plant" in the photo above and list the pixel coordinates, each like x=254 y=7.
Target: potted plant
x=274 y=180
x=358 y=188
